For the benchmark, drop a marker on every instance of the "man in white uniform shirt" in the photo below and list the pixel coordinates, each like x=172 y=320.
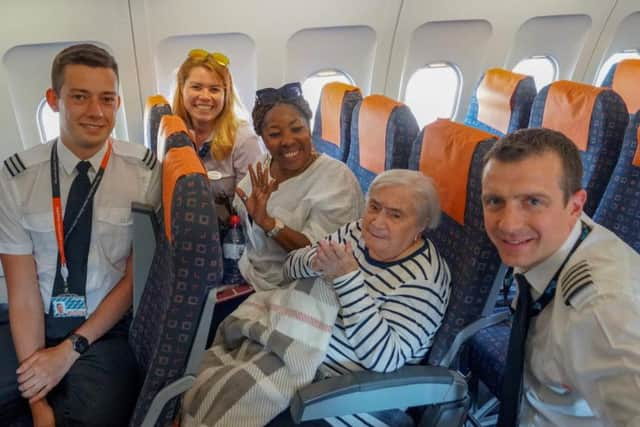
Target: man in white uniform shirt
x=582 y=351
x=70 y=283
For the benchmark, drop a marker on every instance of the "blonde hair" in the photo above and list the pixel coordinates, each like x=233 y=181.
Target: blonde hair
x=226 y=124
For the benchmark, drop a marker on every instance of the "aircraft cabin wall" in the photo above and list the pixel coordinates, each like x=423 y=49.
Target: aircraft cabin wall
x=378 y=44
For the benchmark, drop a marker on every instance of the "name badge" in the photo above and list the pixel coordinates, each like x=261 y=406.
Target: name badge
x=69 y=305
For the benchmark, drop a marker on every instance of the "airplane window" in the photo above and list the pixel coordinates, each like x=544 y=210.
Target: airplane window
x=614 y=59
x=433 y=92
x=47 y=122
x=543 y=69
x=312 y=86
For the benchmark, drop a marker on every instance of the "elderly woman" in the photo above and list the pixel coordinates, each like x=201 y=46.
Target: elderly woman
x=293 y=197
x=205 y=99
x=370 y=296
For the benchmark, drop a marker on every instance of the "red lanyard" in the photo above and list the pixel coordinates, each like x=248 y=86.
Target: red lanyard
x=61 y=237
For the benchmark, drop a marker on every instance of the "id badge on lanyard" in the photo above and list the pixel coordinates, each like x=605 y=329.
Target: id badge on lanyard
x=68 y=304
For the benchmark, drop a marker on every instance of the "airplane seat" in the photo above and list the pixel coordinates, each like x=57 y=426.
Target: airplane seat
x=332 y=125
x=451 y=153
x=595 y=119
x=156 y=107
x=382 y=132
x=170 y=327
x=619 y=207
x=624 y=78
x=502 y=101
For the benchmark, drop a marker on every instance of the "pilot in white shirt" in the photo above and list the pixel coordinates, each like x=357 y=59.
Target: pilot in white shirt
x=582 y=354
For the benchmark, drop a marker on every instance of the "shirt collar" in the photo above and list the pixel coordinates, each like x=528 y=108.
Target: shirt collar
x=70 y=160
x=540 y=275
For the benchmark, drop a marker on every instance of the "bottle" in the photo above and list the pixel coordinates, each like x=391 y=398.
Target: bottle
x=232 y=249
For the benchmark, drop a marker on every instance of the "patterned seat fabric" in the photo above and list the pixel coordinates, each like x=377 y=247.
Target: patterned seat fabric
x=382 y=132
x=624 y=78
x=332 y=125
x=594 y=119
x=186 y=265
x=156 y=107
x=619 y=209
x=460 y=237
x=487 y=356
x=502 y=101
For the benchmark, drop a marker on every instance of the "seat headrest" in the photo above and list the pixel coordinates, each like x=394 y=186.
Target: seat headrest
x=495 y=93
x=568 y=109
x=626 y=81
x=156 y=107
x=154 y=100
x=447 y=151
x=636 y=157
x=173 y=133
x=373 y=119
x=331 y=110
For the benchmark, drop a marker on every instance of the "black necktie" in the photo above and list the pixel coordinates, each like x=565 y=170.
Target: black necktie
x=76 y=249
x=512 y=380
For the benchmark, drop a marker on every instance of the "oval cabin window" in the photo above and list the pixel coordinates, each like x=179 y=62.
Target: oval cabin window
x=543 y=69
x=48 y=125
x=433 y=91
x=312 y=86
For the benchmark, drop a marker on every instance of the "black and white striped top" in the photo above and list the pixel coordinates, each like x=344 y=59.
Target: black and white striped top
x=390 y=311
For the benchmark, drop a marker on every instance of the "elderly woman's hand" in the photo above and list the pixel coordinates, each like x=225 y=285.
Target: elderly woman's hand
x=333 y=260
x=256 y=203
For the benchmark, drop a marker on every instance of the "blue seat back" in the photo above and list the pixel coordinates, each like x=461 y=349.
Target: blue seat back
x=382 y=133
x=619 y=209
x=502 y=102
x=624 y=78
x=451 y=154
x=156 y=107
x=332 y=124
x=186 y=265
x=594 y=119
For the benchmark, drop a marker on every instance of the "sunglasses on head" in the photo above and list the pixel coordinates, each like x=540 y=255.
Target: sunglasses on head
x=270 y=95
x=220 y=58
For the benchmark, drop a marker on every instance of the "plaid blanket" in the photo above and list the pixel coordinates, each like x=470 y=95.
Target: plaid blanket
x=263 y=352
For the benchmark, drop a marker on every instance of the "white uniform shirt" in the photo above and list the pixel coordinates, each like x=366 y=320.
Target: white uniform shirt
x=26 y=219
x=315 y=203
x=582 y=361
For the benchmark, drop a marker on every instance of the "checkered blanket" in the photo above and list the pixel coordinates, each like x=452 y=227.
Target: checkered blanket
x=263 y=352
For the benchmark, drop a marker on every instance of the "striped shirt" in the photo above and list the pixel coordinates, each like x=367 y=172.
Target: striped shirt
x=389 y=311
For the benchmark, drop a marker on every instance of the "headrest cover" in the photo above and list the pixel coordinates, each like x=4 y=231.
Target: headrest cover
x=447 y=150
x=169 y=125
x=331 y=110
x=178 y=162
x=636 y=157
x=568 y=109
x=373 y=119
x=626 y=81
x=494 y=97
x=154 y=100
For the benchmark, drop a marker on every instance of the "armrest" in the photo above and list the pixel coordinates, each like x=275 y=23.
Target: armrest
x=145 y=228
x=470 y=330
x=200 y=340
x=362 y=392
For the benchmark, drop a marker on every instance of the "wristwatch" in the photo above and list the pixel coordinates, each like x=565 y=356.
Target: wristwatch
x=276 y=228
x=80 y=344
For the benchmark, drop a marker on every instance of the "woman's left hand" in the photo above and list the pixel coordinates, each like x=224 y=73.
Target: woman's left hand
x=333 y=259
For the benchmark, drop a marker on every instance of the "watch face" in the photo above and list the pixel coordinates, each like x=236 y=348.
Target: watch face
x=80 y=343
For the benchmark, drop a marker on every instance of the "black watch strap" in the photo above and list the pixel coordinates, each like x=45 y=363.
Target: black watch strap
x=80 y=343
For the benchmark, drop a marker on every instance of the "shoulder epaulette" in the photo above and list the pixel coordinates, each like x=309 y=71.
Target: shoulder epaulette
x=14 y=164
x=577 y=284
x=149 y=159
x=136 y=151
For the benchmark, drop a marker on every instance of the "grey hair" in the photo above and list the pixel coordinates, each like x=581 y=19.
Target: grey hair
x=426 y=200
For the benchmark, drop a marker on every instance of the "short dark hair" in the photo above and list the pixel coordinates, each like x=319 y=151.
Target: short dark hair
x=82 y=54
x=260 y=111
x=525 y=143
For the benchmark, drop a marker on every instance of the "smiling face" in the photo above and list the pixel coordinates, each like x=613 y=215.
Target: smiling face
x=286 y=134
x=525 y=212
x=390 y=225
x=87 y=102
x=203 y=96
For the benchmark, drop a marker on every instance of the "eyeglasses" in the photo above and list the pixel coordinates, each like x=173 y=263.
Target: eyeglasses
x=220 y=58
x=270 y=95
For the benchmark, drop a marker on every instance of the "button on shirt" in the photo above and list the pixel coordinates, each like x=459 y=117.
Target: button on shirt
x=26 y=219
x=582 y=360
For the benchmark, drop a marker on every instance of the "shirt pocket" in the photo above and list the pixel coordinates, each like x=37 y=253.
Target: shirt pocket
x=40 y=228
x=114 y=229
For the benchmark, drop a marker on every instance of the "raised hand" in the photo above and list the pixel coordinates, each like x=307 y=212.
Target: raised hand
x=256 y=203
x=333 y=259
